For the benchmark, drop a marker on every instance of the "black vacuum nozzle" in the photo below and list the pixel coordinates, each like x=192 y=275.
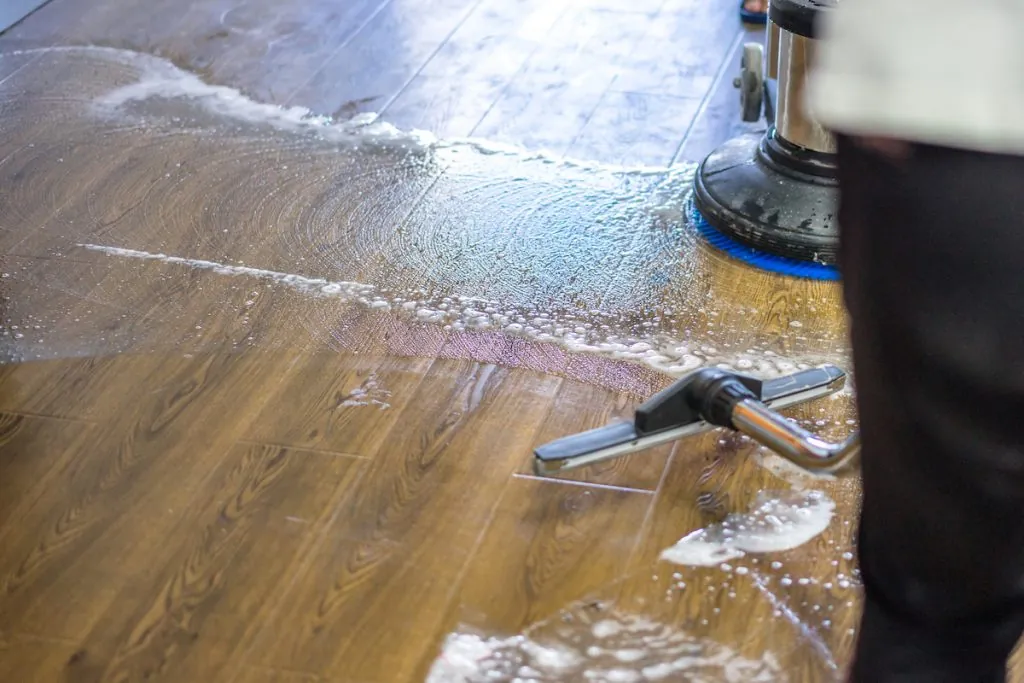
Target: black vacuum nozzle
x=698 y=402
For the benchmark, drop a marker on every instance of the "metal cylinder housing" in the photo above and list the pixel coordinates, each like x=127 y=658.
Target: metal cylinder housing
x=778 y=192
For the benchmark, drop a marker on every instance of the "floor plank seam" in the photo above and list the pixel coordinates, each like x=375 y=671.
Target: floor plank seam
x=255 y=634
x=47 y=416
x=20 y=68
x=341 y=46
x=430 y=57
x=723 y=69
x=584 y=484
x=290 y=447
x=456 y=588
x=28 y=635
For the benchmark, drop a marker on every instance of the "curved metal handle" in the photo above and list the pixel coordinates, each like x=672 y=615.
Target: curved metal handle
x=795 y=444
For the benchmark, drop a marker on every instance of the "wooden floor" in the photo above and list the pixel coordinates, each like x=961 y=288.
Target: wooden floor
x=209 y=473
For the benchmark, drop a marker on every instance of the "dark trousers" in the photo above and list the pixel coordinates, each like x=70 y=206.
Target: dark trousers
x=932 y=255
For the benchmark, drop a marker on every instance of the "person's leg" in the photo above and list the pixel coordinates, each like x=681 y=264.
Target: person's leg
x=932 y=256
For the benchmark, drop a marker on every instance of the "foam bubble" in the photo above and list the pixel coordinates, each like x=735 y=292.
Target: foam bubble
x=160 y=79
x=620 y=648
x=776 y=522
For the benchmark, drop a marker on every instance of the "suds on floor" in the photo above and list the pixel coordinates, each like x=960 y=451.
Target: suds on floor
x=460 y=235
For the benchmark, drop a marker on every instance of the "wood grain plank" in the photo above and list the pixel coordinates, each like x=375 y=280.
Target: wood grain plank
x=343 y=405
x=257 y=519
x=676 y=60
x=446 y=108
x=553 y=96
x=371 y=69
x=635 y=129
x=530 y=20
x=29 y=659
x=719 y=119
x=178 y=30
x=579 y=407
x=30 y=448
x=70 y=20
x=263 y=675
x=404 y=537
x=79 y=388
x=549 y=101
x=467 y=75
x=268 y=50
x=540 y=551
x=106 y=518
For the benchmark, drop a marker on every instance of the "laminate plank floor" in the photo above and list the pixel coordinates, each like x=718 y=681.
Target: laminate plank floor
x=274 y=363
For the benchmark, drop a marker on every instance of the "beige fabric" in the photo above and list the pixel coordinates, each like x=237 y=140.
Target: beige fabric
x=934 y=71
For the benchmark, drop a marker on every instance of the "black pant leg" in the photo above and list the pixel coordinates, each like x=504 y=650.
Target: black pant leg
x=932 y=253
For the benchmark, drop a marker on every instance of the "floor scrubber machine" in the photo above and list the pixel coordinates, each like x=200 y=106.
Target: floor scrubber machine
x=769 y=199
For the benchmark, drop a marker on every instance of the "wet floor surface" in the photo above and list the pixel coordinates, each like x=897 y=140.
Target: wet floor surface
x=272 y=381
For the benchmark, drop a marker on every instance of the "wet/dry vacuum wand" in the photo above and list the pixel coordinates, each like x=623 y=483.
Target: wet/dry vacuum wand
x=712 y=398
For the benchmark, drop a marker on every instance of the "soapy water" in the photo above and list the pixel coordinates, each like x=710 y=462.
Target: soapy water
x=607 y=641
x=778 y=521
x=461 y=235
x=611 y=647
x=588 y=333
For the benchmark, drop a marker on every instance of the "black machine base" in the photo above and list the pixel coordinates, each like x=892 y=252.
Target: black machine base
x=770 y=195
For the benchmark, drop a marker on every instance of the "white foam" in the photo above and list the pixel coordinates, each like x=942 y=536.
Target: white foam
x=574 y=332
x=627 y=649
x=776 y=522
x=161 y=79
x=310 y=285
x=369 y=393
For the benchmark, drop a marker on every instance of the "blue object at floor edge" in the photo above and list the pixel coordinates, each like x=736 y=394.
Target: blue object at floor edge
x=759 y=259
